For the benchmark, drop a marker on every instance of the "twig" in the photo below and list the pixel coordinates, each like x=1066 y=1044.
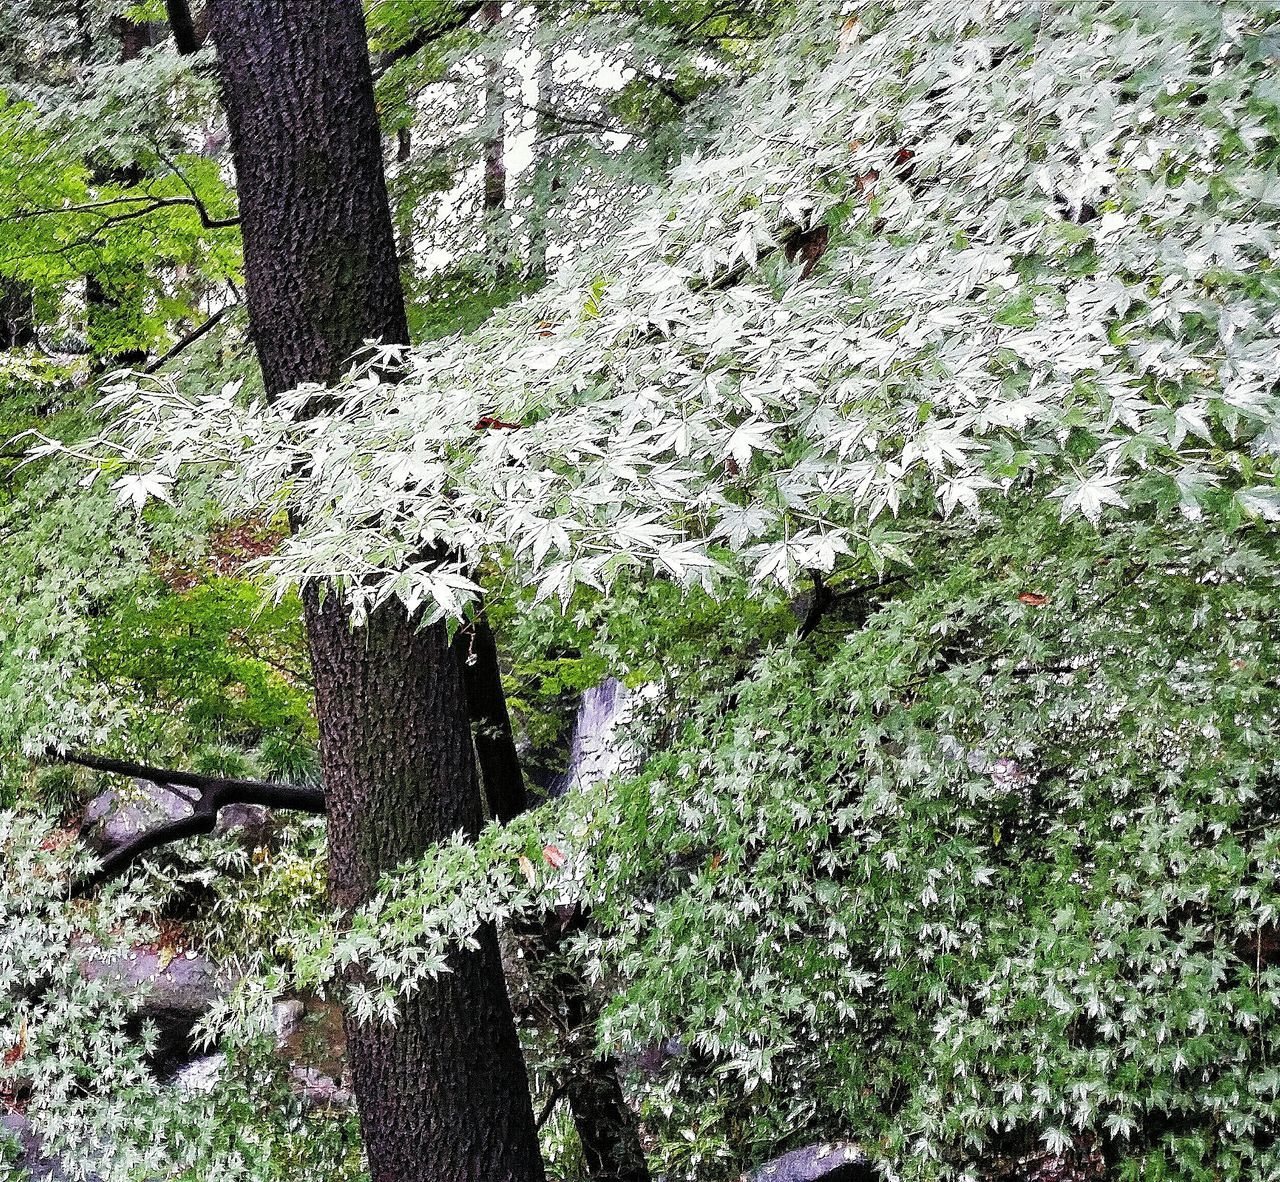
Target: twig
x=190 y=339
x=557 y=1094
x=424 y=38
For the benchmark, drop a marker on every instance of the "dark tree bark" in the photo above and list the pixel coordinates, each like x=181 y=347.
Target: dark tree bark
x=607 y=1128
x=443 y=1094
x=495 y=743
x=496 y=231
x=17 y=314
x=188 y=35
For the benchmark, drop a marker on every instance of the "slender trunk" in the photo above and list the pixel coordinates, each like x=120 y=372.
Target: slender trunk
x=188 y=33
x=109 y=304
x=442 y=1094
x=17 y=314
x=405 y=204
x=497 y=233
x=607 y=1128
x=547 y=182
x=500 y=770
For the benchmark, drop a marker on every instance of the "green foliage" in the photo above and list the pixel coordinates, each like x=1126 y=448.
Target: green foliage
x=997 y=870
x=956 y=341
x=214 y=656
x=460 y=299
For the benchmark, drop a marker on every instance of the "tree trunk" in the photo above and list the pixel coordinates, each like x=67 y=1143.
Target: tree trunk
x=497 y=230
x=406 y=205
x=443 y=1094
x=477 y=651
x=547 y=183
x=110 y=299
x=607 y=1128
x=17 y=314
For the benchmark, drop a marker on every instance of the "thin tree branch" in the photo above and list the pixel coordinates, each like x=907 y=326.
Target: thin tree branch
x=213 y=793
x=205 y=219
x=557 y=1094
x=186 y=36
x=202 y=822
x=422 y=39
x=190 y=339
x=209 y=223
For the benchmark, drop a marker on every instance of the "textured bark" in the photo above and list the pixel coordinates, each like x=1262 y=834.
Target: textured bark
x=319 y=252
x=442 y=1094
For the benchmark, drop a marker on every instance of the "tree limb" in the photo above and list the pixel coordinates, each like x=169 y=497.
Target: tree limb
x=822 y=599
x=424 y=37
x=190 y=339
x=186 y=36
x=557 y=1094
x=213 y=793
x=154 y=203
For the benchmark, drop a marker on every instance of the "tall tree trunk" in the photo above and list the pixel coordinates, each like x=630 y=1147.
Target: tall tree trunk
x=406 y=206
x=607 y=1128
x=109 y=304
x=17 y=314
x=495 y=743
x=443 y=1094
x=547 y=182
x=497 y=230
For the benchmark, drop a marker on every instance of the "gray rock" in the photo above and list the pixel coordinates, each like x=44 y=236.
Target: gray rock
x=171 y=992
x=31 y=1154
x=250 y=824
x=829 y=1161
x=200 y=1075
x=319 y=1090
x=286 y=1017
x=186 y=984
x=119 y=815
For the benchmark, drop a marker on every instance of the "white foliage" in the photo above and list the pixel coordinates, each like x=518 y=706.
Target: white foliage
x=1048 y=274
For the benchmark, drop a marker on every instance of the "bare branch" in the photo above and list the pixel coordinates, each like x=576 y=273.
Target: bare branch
x=422 y=39
x=213 y=793
x=153 y=203
x=190 y=339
